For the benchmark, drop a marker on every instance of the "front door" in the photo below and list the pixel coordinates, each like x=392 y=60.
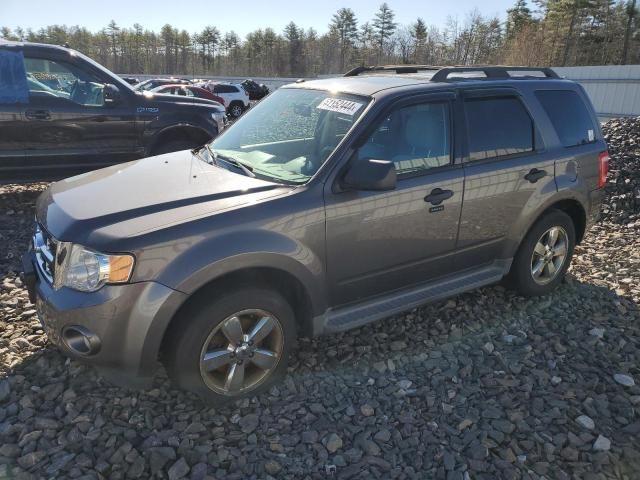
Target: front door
x=13 y=96
x=69 y=126
x=383 y=241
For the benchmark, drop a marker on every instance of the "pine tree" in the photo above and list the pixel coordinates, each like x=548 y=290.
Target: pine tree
x=517 y=18
x=419 y=35
x=383 y=27
x=344 y=27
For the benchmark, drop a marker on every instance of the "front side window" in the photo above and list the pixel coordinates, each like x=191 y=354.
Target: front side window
x=498 y=126
x=290 y=134
x=415 y=138
x=569 y=116
x=57 y=79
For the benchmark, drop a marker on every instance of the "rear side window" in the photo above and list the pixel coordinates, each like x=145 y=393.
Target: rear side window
x=225 y=89
x=498 y=126
x=569 y=116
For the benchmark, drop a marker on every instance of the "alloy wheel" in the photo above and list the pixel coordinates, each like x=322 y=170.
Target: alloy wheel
x=549 y=255
x=241 y=352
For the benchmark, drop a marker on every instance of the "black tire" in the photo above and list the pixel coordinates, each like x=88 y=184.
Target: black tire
x=521 y=277
x=183 y=354
x=236 y=109
x=173 y=146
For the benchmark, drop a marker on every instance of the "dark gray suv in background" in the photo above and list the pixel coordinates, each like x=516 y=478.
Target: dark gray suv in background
x=331 y=204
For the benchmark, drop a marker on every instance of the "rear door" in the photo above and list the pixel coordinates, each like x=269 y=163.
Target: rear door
x=507 y=169
x=383 y=241
x=70 y=126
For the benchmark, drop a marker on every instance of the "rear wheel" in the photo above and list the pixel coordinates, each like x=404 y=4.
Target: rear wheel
x=232 y=346
x=236 y=109
x=544 y=255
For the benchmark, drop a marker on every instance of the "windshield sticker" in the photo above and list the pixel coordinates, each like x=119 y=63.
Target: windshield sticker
x=347 y=107
x=591 y=134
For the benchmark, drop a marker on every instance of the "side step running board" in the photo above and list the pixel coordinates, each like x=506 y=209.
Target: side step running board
x=353 y=316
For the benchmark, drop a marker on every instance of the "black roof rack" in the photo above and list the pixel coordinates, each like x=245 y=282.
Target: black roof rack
x=397 y=68
x=441 y=74
x=493 y=72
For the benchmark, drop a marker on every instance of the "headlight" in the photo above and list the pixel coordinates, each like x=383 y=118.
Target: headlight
x=82 y=269
x=217 y=116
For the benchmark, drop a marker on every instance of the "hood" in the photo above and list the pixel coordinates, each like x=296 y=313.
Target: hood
x=133 y=198
x=167 y=98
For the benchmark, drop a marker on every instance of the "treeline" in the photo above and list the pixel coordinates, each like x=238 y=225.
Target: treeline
x=544 y=32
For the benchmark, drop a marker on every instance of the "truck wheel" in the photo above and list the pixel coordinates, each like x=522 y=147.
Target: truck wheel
x=544 y=255
x=236 y=109
x=234 y=345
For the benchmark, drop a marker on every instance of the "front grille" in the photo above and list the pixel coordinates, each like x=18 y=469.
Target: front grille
x=44 y=246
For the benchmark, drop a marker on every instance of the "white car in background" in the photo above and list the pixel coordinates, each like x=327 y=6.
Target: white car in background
x=235 y=97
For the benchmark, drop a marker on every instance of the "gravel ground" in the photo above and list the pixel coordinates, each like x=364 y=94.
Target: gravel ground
x=485 y=385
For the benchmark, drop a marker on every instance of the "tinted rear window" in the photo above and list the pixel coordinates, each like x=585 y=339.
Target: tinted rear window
x=497 y=127
x=569 y=116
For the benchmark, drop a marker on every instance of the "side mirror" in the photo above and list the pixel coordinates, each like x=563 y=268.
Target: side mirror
x=111 y=94
x=370 y=174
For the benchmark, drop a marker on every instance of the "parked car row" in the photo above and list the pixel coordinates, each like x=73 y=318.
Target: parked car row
x=235 y=97
x=189 y=91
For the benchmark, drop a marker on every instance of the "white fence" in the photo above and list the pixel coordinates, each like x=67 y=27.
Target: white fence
x=613 y=89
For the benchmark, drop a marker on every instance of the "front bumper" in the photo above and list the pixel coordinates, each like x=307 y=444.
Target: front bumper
x=129 y=321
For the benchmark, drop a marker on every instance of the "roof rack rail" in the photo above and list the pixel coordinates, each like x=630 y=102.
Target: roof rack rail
x=397 y=68
x=493 y=72
x=441 y=74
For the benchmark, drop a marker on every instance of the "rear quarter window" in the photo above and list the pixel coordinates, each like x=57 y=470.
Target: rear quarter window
x=569 y=116
x=498 y=126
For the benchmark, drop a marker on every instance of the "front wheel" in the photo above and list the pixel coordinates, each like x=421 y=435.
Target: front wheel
x=544 y=255
x=233 y=346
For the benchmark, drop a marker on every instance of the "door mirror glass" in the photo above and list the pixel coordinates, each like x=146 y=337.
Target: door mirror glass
x=111 y=94
x=370 y=174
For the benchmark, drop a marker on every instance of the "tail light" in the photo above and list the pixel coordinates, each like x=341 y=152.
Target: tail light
x=603 y=164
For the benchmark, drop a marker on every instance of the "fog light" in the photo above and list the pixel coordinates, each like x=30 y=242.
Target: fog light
x=80 y=340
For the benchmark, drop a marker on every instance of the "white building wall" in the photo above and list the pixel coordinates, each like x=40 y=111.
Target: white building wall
x=613 y=89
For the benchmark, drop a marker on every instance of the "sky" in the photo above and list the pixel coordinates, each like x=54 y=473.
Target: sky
x=242 y=16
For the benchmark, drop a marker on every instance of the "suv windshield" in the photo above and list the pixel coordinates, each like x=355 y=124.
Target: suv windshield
x=289 y=135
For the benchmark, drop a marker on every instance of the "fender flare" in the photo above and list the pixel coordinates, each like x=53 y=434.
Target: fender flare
x=519 y=230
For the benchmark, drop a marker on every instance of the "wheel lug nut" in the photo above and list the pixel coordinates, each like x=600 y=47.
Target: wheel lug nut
x=250 y=354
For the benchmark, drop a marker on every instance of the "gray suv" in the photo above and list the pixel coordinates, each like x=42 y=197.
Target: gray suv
x=331 y=204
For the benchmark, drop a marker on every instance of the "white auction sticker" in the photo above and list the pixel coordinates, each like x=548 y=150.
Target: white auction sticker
x=347 y=107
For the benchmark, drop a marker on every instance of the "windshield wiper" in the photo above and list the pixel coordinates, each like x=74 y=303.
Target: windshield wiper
x=212 y=153
x=248 y=171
